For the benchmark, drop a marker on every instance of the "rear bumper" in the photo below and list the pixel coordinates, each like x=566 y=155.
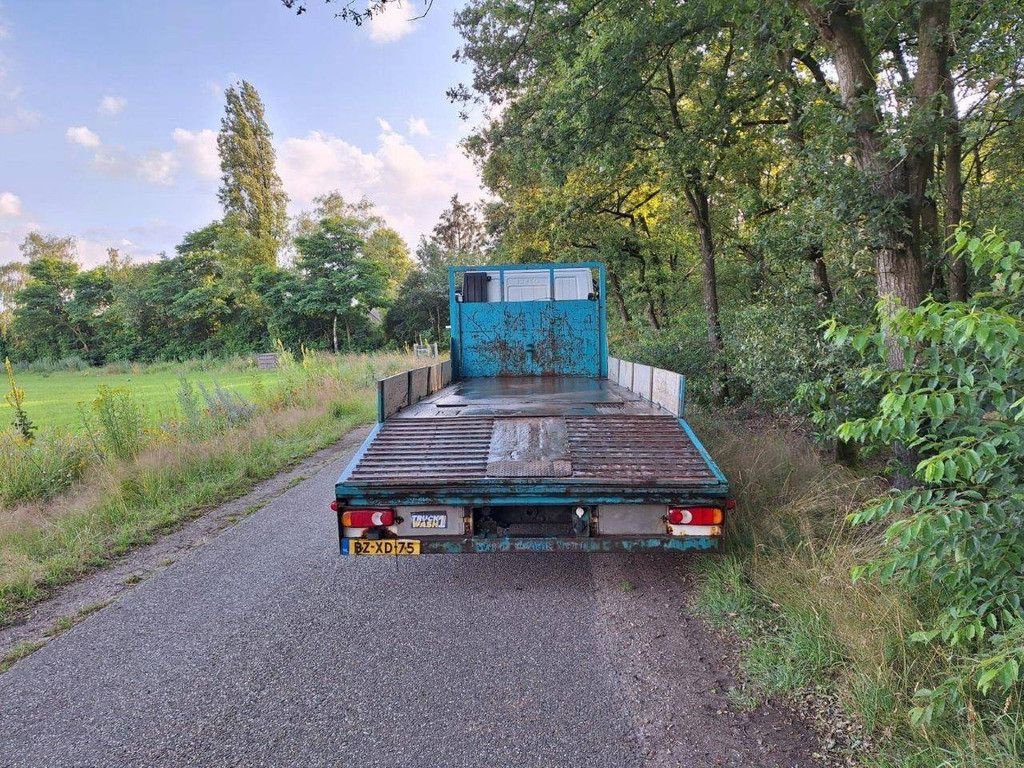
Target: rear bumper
x=436 y=545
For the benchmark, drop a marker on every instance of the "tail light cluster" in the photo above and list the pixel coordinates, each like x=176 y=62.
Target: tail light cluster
x=367 y=518
x=694 y=516
x=354 y=522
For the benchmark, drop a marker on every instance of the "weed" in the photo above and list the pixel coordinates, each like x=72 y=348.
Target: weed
x=63 y=624
x=188 y=405
x=226 y=409
x=19 y=652
x=15 y=398
x=120 y=419
x=627 y=586
x=42 y=469
x=742 y=699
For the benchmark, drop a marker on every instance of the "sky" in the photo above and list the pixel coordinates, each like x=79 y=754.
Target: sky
x=109 y=111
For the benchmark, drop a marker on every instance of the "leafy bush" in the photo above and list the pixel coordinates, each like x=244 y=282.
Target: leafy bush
x=957 y=406
x=120 y=421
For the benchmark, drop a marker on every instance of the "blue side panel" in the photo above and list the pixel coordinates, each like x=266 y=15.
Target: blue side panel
x=530 y=338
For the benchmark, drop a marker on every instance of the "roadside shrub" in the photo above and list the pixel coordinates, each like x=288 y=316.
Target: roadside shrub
x=226 y=409
x=191 y=422
x=957 y=407
x=42 y=469
x=120 y=421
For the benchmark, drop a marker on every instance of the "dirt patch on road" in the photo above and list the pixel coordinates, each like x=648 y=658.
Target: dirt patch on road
x=677 y=674
x=73 y=603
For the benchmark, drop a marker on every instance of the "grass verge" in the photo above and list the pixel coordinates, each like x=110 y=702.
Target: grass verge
x=809 y=631
x=121 y=504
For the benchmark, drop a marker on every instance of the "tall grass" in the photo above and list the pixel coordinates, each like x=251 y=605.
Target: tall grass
x=110 y=500
x=785 y=586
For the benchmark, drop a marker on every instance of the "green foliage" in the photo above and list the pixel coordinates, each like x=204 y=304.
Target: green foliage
x=251 y=191
x=42 y=469
x=15 y=398
x=958 y=408
x=120 y=421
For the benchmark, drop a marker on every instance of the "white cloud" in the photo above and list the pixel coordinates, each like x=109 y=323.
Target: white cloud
x=81 y=135
x=418 y=127
x=19 y=119
x=5 y=30
x=112 y=105
x=385 y=125
x=199 y=151
x=409 y=187
x=392 y=23
x=157 y=167
x=10 y=204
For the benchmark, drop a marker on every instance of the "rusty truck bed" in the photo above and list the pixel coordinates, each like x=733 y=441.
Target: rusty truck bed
x=484 y=440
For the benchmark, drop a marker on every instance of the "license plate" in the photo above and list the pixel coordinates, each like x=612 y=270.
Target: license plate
x=429 y=520
x=384 y=546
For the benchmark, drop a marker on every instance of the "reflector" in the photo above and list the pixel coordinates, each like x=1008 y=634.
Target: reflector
x=334 y=505
x=367 y=518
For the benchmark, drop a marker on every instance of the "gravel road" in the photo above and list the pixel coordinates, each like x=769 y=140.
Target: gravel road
x=264 y=647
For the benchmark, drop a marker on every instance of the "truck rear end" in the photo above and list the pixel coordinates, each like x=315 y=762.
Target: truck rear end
x=531 y=438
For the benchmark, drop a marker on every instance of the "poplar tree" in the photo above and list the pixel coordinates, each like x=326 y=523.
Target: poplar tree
x=251 y=191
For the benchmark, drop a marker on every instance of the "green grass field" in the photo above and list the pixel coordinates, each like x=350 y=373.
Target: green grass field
x=52 y=399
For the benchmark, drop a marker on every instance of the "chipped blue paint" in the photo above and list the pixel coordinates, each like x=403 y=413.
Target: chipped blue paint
x=514 y=544
x=529 y=338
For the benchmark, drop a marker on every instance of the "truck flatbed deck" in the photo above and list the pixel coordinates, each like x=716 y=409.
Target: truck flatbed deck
x=485 y=439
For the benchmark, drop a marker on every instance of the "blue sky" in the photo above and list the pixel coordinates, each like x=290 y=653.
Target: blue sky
x=109 y=108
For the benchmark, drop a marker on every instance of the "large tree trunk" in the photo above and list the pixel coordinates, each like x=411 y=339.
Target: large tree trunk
x=700 y=207
x=932 y=73
x=953 y=181
x=898 y=268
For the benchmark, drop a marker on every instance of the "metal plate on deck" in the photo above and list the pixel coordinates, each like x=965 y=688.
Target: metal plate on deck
x=537 y=447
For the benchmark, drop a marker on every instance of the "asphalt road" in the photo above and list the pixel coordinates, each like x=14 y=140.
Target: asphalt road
x=265 y=647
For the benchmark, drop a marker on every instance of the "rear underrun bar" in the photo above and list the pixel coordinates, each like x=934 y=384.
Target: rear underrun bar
x=472 y=545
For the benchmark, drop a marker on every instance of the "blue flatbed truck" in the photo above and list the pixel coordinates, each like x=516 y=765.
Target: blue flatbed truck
x=531 y=438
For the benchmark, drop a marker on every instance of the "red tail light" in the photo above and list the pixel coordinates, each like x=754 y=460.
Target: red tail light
x=367 y=518
x=334 y=505
x=695 y=515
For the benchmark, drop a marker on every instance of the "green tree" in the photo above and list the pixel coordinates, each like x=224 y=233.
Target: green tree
x=42 y=325
x=339 y=283
x=251 y=191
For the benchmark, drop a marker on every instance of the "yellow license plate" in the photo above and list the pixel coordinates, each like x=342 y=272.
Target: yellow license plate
x=384 y=546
